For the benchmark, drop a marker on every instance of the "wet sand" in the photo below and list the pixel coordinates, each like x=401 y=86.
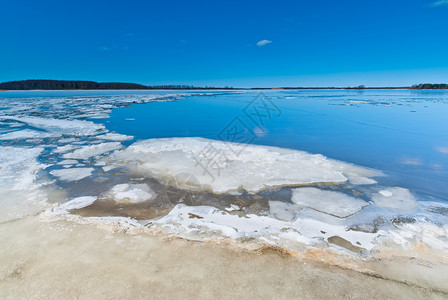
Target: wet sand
x=62 y=259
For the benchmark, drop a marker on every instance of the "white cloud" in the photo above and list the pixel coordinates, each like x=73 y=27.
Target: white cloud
x=443 y=150
x=440 y=3
x=265 y=42
x=411 y=161
x=437 y=167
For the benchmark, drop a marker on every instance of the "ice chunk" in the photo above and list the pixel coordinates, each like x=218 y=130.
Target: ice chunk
x=395 y=197
x=18 y=166
x=224 y=167
x=66 y=148
x=24 y=134
x=75 y=203
x=86 y=152
x=72 y=174
x=19 y=193
x=114 y=137
x=329 y=202
x=108 y=168
x=357 y=179
x=199 y=222
x=283 y=211
x=73 y=127
x=68 y=162
x=232 y=207
x=132 y=193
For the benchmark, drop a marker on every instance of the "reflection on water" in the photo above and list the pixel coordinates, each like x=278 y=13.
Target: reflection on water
x=404 y=133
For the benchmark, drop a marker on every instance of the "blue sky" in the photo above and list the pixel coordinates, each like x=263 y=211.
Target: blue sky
x=235 y=43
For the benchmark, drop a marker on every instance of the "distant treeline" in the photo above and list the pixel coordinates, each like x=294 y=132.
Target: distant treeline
x=430 y=86
x=89 y=85
x=92 y=85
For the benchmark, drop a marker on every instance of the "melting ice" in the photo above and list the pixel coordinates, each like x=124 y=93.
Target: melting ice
x=269 y=195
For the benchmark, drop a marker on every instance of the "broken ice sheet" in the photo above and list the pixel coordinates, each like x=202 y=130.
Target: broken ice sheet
x=254 y=168
x=86 y=152
x=283 y=211
x=395 y=197
x=329 y=202
x=72 y=174
x=131 y=193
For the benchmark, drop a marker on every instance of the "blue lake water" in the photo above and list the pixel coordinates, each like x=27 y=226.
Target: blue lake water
x=401 y=132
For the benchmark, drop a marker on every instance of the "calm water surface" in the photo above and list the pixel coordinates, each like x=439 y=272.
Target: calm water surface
x=401 y=132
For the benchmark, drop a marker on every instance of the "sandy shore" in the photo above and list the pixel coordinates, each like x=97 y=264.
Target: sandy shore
x=62 y=259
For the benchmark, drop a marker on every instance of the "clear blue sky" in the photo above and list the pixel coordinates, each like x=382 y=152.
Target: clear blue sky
x=312 y=43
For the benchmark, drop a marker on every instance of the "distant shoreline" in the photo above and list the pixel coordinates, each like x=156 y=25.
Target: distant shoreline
x=233 y=89
x=76 y=85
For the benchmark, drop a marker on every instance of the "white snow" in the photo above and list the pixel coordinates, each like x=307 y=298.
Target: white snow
x=329 y=202
x=86 y=152
x=224 y=167
x=72 y=174
x=395 y=197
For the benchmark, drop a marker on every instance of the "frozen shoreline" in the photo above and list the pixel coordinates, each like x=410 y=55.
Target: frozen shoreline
x=261 y=197
x=83 y=261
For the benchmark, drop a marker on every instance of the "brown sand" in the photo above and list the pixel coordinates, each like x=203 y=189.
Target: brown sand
x=62 y=259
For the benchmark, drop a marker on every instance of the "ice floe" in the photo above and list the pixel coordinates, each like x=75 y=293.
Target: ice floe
x=333 y=203
x=68 y=162
x=283 y=211
x=20 y=194
x=131 y=193
x=76 y=203
x=110 y=136
x=72 y=174
x=224 y=166
x=395 y=197
x=24 y=134
x=65 y=148
x=203 y=222
x=59 y=126
x=86 y=152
